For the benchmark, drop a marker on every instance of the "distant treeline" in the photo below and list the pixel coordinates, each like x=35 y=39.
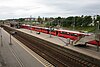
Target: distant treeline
x=77 y=21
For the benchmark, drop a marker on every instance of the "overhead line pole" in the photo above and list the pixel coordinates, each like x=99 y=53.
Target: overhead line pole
x=74 y=24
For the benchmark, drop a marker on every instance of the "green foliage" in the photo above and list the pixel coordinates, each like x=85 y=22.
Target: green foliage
x=86 y=20
x=80 y=22
x=21 y=19
x=47 y=24
x=69 y=21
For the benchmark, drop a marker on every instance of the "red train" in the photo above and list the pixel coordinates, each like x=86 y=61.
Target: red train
x=73 y=35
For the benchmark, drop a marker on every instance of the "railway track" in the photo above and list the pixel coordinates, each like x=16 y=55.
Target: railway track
x=56 y=55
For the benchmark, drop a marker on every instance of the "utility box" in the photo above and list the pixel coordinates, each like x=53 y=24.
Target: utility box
x=37 y=32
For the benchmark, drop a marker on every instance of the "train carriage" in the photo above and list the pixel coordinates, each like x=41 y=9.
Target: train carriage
x=73 y=35
x=53 y=32
x=38 y=29
x=45 y=30
x=25 y=26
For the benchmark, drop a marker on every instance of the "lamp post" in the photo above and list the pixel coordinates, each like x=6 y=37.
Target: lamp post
x=30 y=24
x=93 y=21
x=10 y=40
x=74 y=24
x=1 y=36
x=97 y=35
x=50 y=30
x=51 y=27
x=59 y=22
x=12 y=33
x=98 y=23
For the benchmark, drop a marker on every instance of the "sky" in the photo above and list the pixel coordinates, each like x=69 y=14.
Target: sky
x=47 y=8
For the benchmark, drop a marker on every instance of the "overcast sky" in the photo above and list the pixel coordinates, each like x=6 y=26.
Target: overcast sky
x=48 y=8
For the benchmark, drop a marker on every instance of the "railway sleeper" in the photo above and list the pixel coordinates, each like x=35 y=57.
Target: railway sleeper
x=81 y=62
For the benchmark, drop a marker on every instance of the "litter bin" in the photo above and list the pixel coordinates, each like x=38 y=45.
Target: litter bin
x=37 y=32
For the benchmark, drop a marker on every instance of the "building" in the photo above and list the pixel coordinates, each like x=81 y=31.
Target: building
x=30 y=19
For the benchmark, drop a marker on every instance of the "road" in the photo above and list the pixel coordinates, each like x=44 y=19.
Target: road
x=14 y=55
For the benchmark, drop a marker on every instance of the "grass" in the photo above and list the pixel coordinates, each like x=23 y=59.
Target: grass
x=88 y=29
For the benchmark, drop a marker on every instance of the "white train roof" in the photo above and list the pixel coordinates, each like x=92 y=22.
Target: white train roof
x=76 y=32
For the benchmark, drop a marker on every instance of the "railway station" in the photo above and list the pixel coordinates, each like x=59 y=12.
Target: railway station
x=13 y=53
x=49 y=33
x=47 y=50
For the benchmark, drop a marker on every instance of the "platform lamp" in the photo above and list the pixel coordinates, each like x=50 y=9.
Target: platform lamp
x=97 y=34
x=1 y=36
x=93 y=21
x=12 y=33
x=97 y=26
x=30 y=24
x=96 y=29
x=74 y=24
x=50 y=29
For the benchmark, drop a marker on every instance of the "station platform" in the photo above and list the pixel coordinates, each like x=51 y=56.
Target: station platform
x=89 y=50
x=17 y=54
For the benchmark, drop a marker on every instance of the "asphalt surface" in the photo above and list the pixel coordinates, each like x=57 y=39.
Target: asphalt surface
x=14 y=55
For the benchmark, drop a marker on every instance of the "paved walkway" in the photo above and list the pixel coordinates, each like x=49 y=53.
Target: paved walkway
x=90 y=50
x=17 y=54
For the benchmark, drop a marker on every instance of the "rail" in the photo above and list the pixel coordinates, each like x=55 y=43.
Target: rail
x=55 y=54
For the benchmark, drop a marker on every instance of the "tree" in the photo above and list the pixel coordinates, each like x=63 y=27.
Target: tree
x=69 y=21
x=79 y=21
x=58 y=19
x=86 y=21
x=21 y=19
x=40 y=19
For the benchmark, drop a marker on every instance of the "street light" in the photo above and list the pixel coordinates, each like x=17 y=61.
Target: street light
x=1 y=36
x=50 y=29
x=59 y=22
x=31 y=24
x=93 y=21
x=74 y=24
x=98 y=23
x=97 y=35
x=12 y=33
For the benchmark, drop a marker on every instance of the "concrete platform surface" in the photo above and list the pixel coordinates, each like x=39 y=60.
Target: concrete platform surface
x=17 y=54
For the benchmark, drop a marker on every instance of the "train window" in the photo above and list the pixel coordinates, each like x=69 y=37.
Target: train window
x=52 y=31
x=60 y=32
x=38 y=29
x=73 y=34
x=63 y=32
x=67 y=33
